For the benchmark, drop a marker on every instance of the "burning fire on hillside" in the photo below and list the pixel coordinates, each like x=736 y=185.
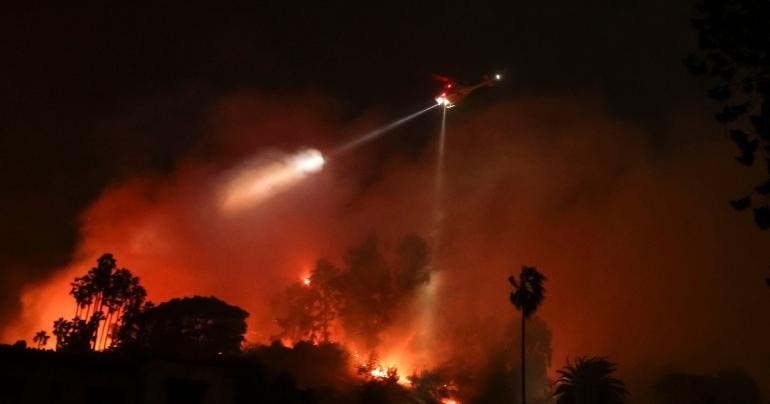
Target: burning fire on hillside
x=187 y=234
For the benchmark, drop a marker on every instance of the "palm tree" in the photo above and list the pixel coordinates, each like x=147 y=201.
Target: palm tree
x=41 y=339
x=527 y=296
x=589 y=380
x=103 y=296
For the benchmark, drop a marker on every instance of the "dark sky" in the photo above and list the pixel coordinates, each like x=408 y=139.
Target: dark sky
x=71 y=77
x=69 y=72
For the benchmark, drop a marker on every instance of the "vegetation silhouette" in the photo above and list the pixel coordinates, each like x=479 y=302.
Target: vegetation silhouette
x=499 y=378
x=76 y=335
x=385 y=392
x=41 y=339
x=318 y=367
x=313 y=304
x=305 y=373
x=104 y=298
x=190 y=327
x=589 y=381
x=322 y=373
x=202 y=338
x=362 y=297
x=527 y=296
x=438 y=385
x=733 y=55
x=722 y=387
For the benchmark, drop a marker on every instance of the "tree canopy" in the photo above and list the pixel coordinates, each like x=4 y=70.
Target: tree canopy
x=104 y=298
x=589 y=381
x=362 y=296
x=734 y=57
x=198 y=327
x=529 y=291
x=725 y=386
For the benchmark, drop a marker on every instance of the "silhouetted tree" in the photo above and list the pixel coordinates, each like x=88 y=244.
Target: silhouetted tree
x=61 y=330
x=362 y=297
x=723 y=387
x=126 y=334
x=527 y=296
x=76 y=335
x=195 y=326
x=589 y=381
x=410 y=268
x=103 y=297
x=538 y=359
x=500 y=378
x=313 y=305
x=377 y=391
x=318 y=366
x=434 y=386
x=368 y=290
x=374 y=285
x=41 y=339
x=734 y=56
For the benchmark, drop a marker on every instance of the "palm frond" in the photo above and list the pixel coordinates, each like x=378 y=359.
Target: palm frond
x=589 y=380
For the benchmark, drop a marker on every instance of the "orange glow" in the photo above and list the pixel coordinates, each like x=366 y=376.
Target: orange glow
x=581 y=200
x=382 y=372
x=379 y=371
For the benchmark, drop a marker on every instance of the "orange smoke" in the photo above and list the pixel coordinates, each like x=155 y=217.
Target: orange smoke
x=636 y=244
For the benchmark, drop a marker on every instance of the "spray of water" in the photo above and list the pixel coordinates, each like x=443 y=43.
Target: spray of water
x=368 y=137
x=263 y=176
x=259 y=178
x=438 y=186
x=428 y=296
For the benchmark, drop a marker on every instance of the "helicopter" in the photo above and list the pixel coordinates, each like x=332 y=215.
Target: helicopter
x=454 y=92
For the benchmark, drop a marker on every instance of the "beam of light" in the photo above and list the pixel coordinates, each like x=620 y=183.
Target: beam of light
x=368 y=137
x=258 y=179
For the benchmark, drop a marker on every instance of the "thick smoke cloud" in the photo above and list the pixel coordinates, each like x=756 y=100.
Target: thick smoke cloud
x=645 y=261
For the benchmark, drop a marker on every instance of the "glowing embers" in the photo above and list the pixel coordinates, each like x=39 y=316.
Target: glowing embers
x=259 y=178
x=380 y=372
x=375 y=371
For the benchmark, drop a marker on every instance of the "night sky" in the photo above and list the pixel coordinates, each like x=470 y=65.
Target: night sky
x=97 y=100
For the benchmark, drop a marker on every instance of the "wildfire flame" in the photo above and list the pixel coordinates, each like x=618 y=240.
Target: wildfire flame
x=379 y=372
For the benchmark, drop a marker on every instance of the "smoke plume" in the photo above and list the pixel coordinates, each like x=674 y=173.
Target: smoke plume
x=641 y=251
